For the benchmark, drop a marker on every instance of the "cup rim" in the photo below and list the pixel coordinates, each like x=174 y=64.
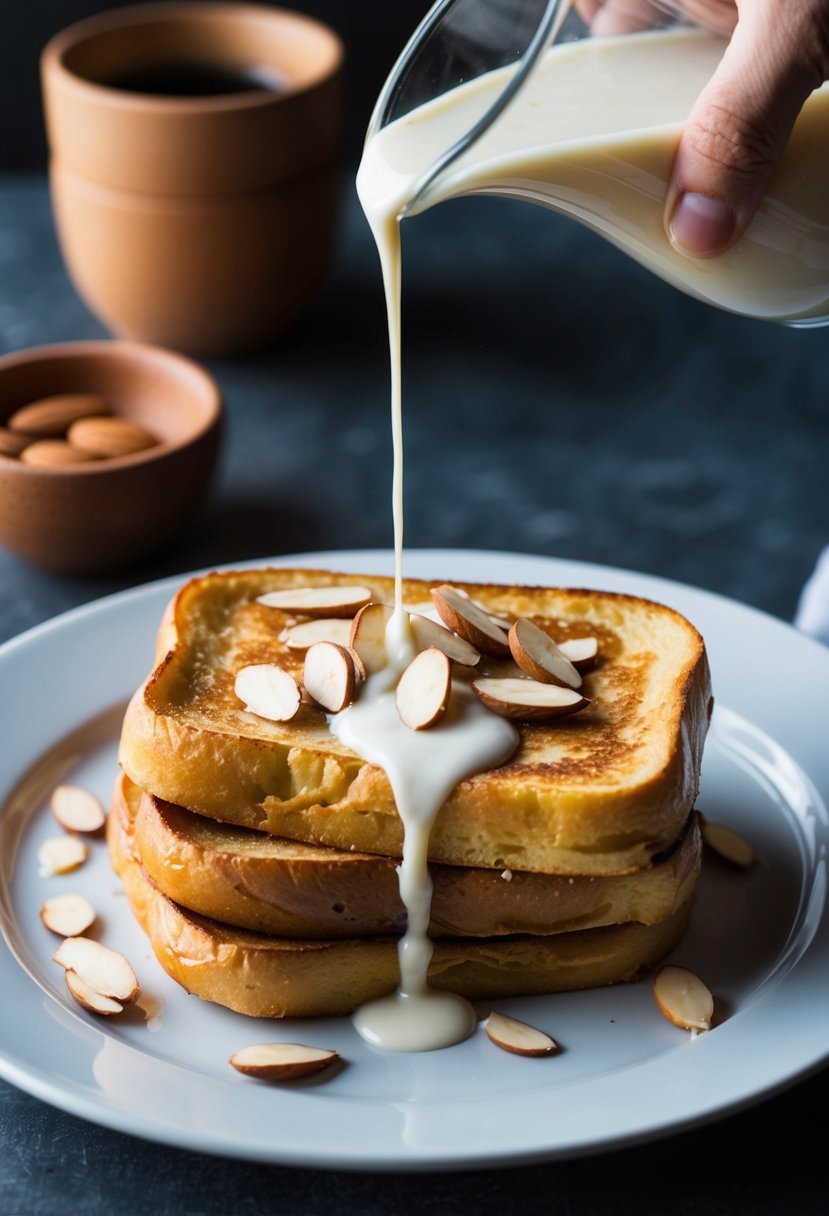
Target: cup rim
x=116 y=347
x=53 y=55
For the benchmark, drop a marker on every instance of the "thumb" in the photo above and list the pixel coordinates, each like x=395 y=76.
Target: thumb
x=739 y=127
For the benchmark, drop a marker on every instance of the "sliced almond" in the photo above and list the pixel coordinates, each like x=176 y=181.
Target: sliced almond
x=329 y=676
x=502 y=622
x=424 y=689
x=468 y=619
x=539 y=657
x=268 y=691
x=582 y=652
x=53 y=454
x=281 y=1061
x=528 y=700
x=683 y=998
x=368 y=636
x=302 y=637
x=108 y=438
x=423 y=608
x=67 y=915
x=77 y=810
x=728 y=844
x=12 y=443
x=51 y=417
x=359 y=666
x=429 y=633
x=518 y=1037
x=102 y=969
x=61 y=855
x=86 y=996
x=317 y=601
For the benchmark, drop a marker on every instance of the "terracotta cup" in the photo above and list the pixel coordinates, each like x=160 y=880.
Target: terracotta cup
x=203 y=223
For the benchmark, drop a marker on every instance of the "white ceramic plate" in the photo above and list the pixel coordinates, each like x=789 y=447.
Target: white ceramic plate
x=760 y=940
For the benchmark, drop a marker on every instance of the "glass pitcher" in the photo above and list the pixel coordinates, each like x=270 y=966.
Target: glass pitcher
x=524 y=99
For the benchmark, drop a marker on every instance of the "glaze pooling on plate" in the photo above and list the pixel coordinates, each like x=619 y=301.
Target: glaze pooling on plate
x=760 y=940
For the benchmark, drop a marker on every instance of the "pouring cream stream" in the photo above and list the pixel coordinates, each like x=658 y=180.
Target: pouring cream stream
x=592 y=132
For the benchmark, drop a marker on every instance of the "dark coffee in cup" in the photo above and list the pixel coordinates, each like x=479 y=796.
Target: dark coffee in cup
x=195 y=78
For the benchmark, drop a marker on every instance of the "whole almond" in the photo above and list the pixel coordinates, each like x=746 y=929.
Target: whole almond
x=109 y=437
x=53 y=454
x=51 y=417
x=12 y=443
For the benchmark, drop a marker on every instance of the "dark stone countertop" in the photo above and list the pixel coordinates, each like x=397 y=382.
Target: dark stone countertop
x=559 y=400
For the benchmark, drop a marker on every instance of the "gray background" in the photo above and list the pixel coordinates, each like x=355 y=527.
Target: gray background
x=558 y=400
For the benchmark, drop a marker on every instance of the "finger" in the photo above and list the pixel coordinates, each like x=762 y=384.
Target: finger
x=741 y=123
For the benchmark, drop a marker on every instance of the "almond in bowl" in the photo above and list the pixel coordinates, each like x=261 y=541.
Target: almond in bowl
x=106 y=448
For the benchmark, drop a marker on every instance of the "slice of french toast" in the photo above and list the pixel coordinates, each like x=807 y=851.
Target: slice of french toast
x=260 y=882
x=599 y=793
x=264 y=975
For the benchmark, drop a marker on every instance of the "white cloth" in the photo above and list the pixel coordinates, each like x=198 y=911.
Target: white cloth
x=812 y=614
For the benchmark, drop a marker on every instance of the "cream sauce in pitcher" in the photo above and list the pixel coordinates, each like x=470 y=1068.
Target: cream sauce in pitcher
x=592 y=132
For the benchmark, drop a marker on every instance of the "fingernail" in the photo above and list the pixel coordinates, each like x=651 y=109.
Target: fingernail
x=701 y=226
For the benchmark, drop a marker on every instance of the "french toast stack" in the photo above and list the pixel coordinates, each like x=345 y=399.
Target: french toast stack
x=260 y=856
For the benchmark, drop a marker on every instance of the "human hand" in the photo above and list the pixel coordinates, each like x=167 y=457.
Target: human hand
x=740 y=125
x=741 y=122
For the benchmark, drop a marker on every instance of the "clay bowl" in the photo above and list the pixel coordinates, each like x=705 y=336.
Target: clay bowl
x=107 y=514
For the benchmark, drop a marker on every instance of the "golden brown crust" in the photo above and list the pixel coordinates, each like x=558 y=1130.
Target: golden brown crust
x=266 y=976
x=602 y=792
x=270 y=885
